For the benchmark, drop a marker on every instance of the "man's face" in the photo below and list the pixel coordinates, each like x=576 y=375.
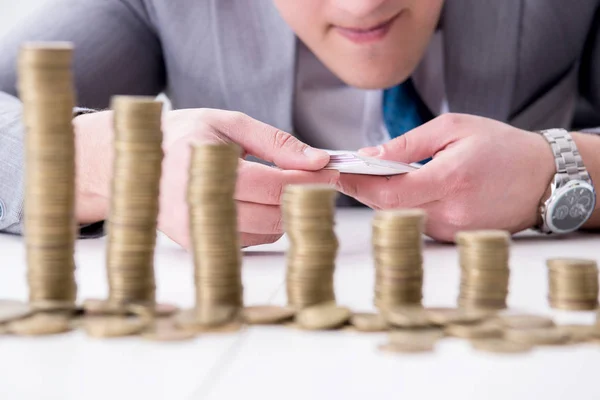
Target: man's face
x=370 y=44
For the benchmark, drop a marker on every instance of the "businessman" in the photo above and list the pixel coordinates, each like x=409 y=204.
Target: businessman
x=463 y=84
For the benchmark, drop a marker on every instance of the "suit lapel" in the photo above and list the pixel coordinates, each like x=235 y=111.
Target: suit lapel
x=481 y=40
x=256 y=53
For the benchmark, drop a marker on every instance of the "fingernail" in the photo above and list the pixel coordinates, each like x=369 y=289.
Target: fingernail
x=314 y=154
x=370 y=151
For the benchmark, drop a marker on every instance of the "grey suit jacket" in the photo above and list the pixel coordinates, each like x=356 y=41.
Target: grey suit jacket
x=519 y=61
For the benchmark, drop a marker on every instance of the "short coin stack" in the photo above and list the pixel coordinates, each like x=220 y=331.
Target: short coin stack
x=309 y=214
x=397 y=248
x=213 y=224
x=573 y=284
x=484 y=262
x=47 y=91
x=134 y=200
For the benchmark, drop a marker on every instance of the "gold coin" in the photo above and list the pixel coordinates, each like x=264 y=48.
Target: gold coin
x=259 y=315
x=165 y=331
x=40 y=324
x=229 y=327
x=113 y=326
x=206 y=316
x=580 y=333
x=406 y=317
x=497 y=345
x=487 y=329
x=11 y=310
x=425 y=335
x=323 y=316
x=103 y=307
x=525 y=321
x=53 y=305
x=447 y=315
x=537 y=336
x=393 y=347
x=152 y=310
x=369 y=322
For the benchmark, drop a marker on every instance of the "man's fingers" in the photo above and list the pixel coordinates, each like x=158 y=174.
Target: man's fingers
x=267 y=142
x=400 y=191
x=252 y=239
x=422 y=142
x=259 y=218
x=258 y=183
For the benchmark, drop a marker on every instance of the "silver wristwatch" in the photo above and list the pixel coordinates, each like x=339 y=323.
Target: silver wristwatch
x=572 y=195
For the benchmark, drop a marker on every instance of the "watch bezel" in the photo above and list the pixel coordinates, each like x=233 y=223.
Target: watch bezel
x=559 y=193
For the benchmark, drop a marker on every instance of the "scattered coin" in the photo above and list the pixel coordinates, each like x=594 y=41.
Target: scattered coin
x=40 y=324
x=369 y=322
x=484 y=257
x=497 y=345
x=206 y=317
x=486 y=329
x=308 y=217
x=393 y=347
x=113 y=326
x=448 y=315
x=323 y=316
x=152 y=310
x=11 y=310
x=261 y=315
x=525 y=321
x=164 y=330
x=580 y=333
x=53 y=305
x=103 y=307
x=537 y=336
x=406 y=317
x=397 y=248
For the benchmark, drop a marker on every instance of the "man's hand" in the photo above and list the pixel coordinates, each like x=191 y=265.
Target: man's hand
x=484 y=174
x=259 y=187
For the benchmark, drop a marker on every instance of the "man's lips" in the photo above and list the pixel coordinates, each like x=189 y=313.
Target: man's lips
x=365 y=35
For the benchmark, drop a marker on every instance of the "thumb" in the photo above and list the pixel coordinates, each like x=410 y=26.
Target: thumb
x=420 y=143
x=269 y=143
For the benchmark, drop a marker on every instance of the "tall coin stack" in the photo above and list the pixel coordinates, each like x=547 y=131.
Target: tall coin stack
x=308 y=215
x=573 y=284
x=213 y=225
x=484 y=262
x=47 y=91
x=133 y=213
x=397 y=248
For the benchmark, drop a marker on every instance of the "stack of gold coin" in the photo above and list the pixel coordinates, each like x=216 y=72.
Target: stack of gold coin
x=134 y=199
x=308 y=215
x=484 y=257
x=213 y=225
x=573 y=284
x=47 y=91
x=397 y=248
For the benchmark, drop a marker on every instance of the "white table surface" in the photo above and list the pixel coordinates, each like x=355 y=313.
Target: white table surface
x=281 y=363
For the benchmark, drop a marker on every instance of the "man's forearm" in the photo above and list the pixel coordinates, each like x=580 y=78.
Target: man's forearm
x=589 y=147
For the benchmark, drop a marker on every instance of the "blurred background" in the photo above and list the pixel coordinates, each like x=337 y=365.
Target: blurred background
x=13 y=11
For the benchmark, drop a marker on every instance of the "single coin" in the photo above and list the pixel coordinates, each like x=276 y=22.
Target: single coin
x=393 y=347
x=264 y=315
x=486 y=329
x=369 y=322
x=40 y=324
x=497 y=345
x=4 y=329
x=11 y=310
x=53 y=305
x=580 y=333
x=406 y=317
x=447 y=315
x=426 y=335
x=206 y=316
x=166 y=331
x=537 y=336
x=525 y=321
x=114 y=326
x=102 y=307
x=323 y=316
x=151 y=311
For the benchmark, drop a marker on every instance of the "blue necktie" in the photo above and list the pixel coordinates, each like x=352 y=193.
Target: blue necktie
x=403 y=110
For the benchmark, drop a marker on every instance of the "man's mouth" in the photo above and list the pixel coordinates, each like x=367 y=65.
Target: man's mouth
x=367 y=34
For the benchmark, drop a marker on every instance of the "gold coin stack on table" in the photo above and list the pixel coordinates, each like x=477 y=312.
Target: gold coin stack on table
x=46 y=88
x=484 y=262
x=397 y=249
x=309 y=218
x=134 y=204
x=573 y=284
x=213 y=224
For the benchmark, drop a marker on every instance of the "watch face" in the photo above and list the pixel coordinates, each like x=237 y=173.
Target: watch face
x=571 y=206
